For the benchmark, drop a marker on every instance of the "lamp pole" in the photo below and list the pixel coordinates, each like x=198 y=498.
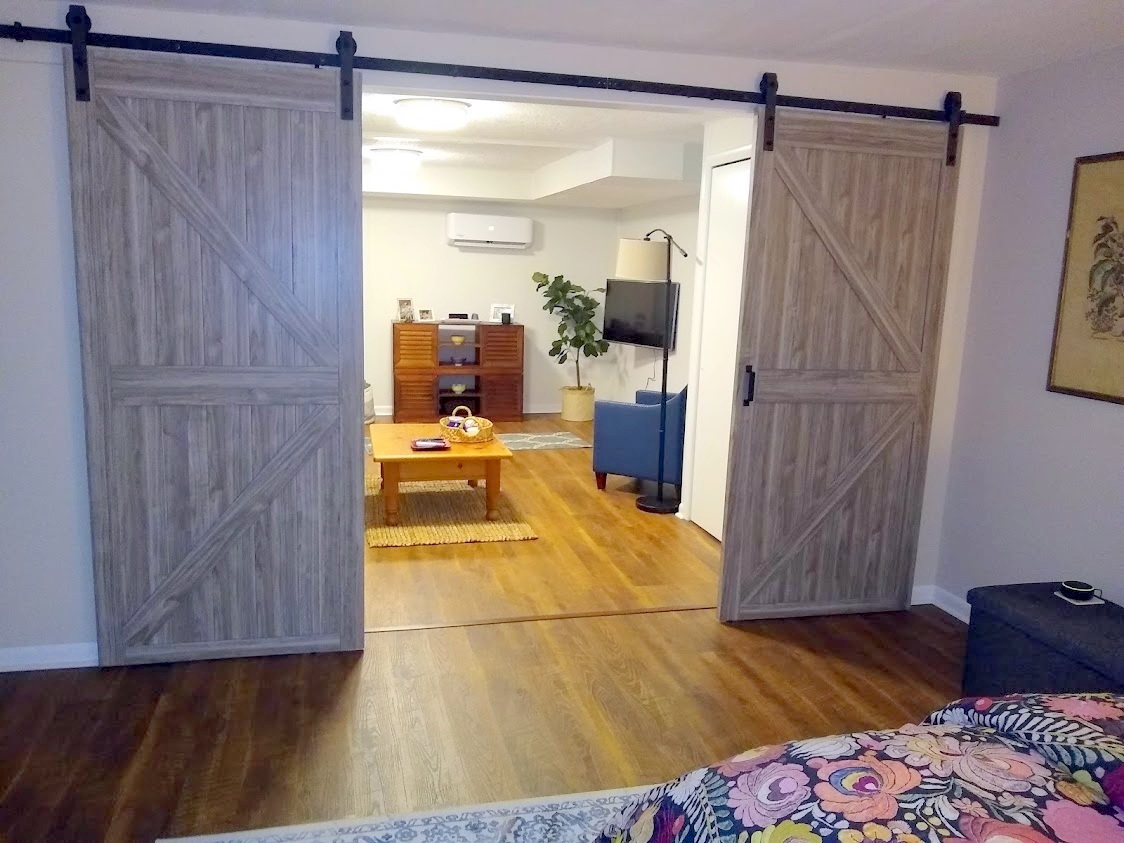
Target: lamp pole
x=657 y=503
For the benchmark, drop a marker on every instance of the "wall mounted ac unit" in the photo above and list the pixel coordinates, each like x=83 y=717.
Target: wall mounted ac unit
x=489 y=232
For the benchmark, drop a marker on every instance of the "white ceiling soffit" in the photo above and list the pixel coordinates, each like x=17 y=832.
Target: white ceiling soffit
x=965 y=36
x=589 y=156
x=615 y=174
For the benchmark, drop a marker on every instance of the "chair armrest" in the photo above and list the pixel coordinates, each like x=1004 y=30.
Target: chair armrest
x=613 y=413
x=648 y=397
x=623 y=435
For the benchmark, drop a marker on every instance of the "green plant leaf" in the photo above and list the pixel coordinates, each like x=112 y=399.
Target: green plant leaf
x=576 y=312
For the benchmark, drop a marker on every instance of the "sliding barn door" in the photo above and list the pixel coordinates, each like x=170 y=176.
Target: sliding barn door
x=845 y=281
x=216 y=216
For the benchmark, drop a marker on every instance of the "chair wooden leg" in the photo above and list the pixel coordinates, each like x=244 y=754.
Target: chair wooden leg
x=601 y=478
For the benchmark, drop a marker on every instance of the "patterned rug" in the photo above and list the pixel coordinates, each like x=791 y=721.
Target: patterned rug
x=555 y=819
x=441 y=512
x=542 y=441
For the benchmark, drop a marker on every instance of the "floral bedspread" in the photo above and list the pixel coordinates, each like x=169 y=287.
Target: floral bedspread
x=1016 y=769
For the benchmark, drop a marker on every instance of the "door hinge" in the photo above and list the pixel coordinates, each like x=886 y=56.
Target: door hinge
x=750 y=386
x=79 y=23
x=346 y=47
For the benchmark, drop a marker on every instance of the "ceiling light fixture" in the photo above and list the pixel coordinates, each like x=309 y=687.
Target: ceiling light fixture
x=393 y=159
x=431 y=115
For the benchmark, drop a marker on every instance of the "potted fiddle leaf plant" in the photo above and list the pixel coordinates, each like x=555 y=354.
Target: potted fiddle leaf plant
x=578 y=337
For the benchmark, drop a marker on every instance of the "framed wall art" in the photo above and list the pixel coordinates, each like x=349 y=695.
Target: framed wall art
x=1088 y=352
x=498 y=311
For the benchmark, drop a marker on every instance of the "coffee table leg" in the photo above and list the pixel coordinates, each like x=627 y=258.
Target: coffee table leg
x=492 y=488
x=390 y=491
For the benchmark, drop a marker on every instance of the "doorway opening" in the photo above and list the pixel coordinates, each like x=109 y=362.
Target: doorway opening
x=558 y=184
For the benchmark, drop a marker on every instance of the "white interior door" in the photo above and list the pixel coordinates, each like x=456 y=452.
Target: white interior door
x=718 y=353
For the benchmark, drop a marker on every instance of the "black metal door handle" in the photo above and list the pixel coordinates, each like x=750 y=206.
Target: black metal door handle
x=750 y=385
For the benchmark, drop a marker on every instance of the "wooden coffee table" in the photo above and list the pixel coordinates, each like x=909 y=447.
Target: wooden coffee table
x=390 y=448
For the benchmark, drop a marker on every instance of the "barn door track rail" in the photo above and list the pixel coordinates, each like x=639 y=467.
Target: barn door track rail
x=79 y=34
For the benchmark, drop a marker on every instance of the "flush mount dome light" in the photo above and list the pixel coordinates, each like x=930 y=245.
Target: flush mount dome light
x=393 y=159
x=433 y=115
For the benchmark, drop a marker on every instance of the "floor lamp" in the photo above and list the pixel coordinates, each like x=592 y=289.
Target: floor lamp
x=650 y=260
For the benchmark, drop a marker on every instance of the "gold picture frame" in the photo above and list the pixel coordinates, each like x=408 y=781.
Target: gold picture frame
x=1087 y=357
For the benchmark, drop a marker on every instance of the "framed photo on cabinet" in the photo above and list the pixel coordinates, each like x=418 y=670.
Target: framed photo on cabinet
x=405 y=310
x=1088 y=352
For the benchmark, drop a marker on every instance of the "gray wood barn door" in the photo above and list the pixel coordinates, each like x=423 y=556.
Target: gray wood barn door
x=217 y=220
x=845 y=279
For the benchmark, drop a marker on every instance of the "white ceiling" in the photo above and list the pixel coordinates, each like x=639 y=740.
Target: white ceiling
x=526 y=135
x=995 y=37
x=502 y=152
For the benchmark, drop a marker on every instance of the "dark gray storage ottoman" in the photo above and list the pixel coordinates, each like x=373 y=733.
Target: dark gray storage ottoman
x=1024 y=639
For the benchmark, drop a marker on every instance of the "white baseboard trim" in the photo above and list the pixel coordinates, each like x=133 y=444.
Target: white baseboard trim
x=944 y=600
x=48 y=657
x=384 y=411
x=922 y=595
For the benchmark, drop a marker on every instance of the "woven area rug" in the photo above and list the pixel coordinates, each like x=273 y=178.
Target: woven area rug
x=555 y=819
x=542 y=441
x=441 y=512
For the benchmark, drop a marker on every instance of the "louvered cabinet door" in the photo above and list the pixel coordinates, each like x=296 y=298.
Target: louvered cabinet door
x=415 y=346
x=501 y=346
x=216 y=222
x=415 y=397
x=848 y=250
x=503 y=397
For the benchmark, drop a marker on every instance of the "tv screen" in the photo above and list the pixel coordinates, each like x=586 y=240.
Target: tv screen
x=635 y=312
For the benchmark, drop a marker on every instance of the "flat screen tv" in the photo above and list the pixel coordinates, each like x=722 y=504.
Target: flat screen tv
x=635 y=312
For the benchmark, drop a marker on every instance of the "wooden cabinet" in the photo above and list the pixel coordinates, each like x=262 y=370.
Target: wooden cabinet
x=501 y=397
x=501 y=347
x=489 y=362
x=415 y=397
x=415 y=345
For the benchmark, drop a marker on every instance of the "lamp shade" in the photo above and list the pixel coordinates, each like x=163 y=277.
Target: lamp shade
x=642 y=260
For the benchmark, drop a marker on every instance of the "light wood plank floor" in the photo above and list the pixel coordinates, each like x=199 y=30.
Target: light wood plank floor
x=596 y=553
x=440 y=717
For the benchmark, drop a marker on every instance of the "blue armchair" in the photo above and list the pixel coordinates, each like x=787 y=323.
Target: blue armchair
x=626 y=438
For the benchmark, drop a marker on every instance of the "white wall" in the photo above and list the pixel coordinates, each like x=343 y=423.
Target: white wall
x=406 y=256
x=46 y=583
x=1037 y=483
x=44 y=574
x=629 y=368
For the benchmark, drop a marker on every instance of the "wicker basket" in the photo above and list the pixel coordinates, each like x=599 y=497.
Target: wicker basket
x=452 y=428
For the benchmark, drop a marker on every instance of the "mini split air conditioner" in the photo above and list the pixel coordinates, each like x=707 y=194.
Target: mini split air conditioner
x=489 y=232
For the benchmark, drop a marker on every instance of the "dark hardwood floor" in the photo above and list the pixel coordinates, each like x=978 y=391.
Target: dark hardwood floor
x=587 y=559
x=437 y=717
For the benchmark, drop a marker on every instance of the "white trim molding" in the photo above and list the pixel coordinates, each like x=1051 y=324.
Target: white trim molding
x=48 y=657
x=944 y=600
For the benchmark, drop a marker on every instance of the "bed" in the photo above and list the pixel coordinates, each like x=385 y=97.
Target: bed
x=1013 y=769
